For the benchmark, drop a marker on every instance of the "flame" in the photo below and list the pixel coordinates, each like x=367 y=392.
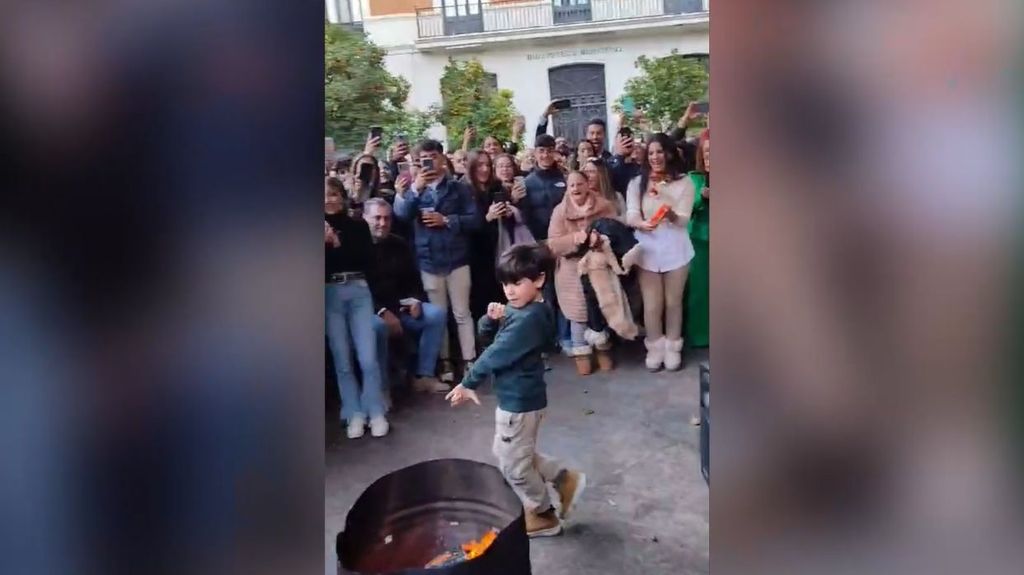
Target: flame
x=474 y=549
x=470 y=550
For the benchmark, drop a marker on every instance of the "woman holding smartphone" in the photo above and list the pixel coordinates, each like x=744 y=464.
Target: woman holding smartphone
x=362 y=183
x=487 y=192
x=349 y=314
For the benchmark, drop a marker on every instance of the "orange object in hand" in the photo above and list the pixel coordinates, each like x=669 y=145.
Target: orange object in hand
x=659 y=215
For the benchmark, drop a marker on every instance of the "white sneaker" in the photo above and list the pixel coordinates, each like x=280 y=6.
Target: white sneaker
x=357 y=426
x=655 y=353
x=379 y=426
x=430 y=385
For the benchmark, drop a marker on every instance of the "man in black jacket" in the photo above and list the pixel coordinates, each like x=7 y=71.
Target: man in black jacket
x=401 y=302
x=545 y=188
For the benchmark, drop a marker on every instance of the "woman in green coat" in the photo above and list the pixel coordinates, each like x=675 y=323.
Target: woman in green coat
x=697 y=299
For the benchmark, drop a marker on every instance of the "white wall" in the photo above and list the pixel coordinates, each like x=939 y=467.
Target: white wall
x=392 y=31
x=524 y=68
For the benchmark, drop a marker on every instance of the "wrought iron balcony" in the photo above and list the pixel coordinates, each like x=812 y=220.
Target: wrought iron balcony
x=458 y=17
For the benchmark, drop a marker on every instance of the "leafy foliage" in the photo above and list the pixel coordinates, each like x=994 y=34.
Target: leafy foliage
x=469 y=98
x=359 y=92
x=665 y=87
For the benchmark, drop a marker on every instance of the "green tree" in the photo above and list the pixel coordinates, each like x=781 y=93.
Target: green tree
x=665 y=87
x=468 y=97
x=413 y=123
x=359 y=92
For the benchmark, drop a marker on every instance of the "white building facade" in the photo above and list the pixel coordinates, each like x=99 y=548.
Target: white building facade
x=584 y=50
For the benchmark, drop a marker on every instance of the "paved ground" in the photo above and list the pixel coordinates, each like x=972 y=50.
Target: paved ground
x=638 y=449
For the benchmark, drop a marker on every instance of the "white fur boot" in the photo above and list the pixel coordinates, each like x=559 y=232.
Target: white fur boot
x=598 y=339
x=655 y=353
x=673 y=354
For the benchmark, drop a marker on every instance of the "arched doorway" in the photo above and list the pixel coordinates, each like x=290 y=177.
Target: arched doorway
x=583 y=85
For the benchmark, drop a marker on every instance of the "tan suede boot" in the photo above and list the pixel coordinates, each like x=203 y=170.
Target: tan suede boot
x=544 y=524
x=584 y=366
x=605 y=362
x=570 y=486
x=584 y=357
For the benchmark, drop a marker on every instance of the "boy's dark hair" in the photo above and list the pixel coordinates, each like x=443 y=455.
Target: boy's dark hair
x=429 y=145
x=525 y=261
x=598 y=122
x=544 y=141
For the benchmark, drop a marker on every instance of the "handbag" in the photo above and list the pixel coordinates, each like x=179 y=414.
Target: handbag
x=518 y=234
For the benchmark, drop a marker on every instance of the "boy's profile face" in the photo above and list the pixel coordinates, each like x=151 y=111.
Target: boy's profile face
x=524 y=291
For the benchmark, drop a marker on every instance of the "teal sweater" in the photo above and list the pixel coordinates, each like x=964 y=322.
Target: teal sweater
x=514 y=357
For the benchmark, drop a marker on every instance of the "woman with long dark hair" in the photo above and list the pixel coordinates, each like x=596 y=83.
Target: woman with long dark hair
x=659 y=202
x=484 y=287
x=584 y=151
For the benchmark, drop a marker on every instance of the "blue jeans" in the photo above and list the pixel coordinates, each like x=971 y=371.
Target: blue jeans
x=349 y=321
x=577 y=333
x=380 y=332
x=430 y=329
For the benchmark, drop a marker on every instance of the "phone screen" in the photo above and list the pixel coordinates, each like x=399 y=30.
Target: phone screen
x=427 y=163
x=563 y=104
x=628 y=107
x=376 y=131
x=702 y=107
x=500 y=197
x=366 y=173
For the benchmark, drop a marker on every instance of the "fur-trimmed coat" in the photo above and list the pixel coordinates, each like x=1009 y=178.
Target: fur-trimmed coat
x=603 y=269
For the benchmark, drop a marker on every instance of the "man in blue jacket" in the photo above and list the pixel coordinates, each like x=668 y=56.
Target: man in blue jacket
x=443 y=213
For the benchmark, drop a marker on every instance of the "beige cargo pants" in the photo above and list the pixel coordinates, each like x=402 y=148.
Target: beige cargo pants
x=525 y=469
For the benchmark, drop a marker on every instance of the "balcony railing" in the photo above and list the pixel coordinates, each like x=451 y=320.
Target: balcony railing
x=477 y=16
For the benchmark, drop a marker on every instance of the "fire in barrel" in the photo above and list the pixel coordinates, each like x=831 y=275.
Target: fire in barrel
x=467 y=552
x=449 y=516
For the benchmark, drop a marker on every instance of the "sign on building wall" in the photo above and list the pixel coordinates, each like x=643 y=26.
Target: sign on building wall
x=572 y=53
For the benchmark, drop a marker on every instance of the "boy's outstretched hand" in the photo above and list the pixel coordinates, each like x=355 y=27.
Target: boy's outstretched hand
x=460 y=395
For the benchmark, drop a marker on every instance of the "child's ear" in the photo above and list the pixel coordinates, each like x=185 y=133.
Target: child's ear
x=539 y=282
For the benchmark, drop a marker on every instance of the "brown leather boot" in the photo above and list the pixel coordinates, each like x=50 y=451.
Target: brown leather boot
x=544 y=524
x=605 y=362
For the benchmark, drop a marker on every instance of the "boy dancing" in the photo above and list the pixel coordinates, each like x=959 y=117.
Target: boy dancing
x=522 y=330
